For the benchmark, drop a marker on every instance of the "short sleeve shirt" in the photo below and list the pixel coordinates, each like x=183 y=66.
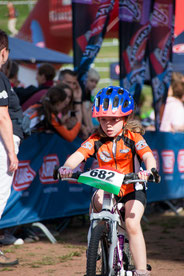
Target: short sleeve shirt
x=9 y=98
x=173 y=116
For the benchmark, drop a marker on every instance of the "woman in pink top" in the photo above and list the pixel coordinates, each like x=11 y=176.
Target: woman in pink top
x=173 y=116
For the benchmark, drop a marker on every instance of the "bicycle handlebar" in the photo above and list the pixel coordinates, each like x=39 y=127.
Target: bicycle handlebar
x=154 y=177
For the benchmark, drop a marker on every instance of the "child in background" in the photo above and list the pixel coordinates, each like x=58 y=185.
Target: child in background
x=48 y=115
x=116 y=144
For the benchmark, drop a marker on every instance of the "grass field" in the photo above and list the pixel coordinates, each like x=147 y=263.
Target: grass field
x=22 y=10
x=108 y=53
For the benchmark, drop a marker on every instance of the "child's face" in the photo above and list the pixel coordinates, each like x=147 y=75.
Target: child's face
x=111 y=125
x=91 y=83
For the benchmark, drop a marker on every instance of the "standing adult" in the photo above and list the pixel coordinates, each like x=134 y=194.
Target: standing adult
x=12 y=19
x=10 y=136
x=173 y=115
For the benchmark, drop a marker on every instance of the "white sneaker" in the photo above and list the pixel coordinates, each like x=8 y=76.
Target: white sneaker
x=18 y=242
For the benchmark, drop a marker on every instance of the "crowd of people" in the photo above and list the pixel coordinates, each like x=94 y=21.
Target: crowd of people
x=59 y=106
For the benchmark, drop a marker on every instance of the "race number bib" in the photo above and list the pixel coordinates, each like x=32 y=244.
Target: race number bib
x=107 y=180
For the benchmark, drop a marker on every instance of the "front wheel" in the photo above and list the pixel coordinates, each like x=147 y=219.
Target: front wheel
x=97 y=254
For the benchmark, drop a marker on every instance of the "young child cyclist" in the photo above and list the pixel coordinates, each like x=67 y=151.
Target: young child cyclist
x=117 y=144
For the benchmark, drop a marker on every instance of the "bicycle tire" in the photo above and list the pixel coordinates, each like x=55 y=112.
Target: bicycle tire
x=128 y=262
x=97 y=253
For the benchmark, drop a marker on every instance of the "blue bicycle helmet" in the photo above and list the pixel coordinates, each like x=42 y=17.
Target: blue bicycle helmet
x=112 y=101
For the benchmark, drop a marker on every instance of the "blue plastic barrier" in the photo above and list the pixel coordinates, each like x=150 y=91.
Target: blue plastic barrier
x=35 y=195
x=168 y=149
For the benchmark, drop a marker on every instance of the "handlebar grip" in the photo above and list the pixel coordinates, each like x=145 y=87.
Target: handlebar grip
x=56 y=174
x=156 y=176
x=76 y=175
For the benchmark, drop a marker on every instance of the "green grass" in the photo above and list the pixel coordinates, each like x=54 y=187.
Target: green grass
x=69 y=256
x=23 y=12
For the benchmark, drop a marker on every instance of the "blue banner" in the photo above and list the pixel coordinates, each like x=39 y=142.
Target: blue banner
x=168 y=149
x=36 y=196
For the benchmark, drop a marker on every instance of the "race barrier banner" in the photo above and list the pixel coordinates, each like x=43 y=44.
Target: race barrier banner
x=36 y=196
x=168 y=149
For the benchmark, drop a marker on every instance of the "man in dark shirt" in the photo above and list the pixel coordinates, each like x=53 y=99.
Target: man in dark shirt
x=10 y=136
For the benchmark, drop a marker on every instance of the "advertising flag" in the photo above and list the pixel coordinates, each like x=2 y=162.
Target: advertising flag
x=145 y=35
x=160 y=53
x=90 y=20
x=134 y=30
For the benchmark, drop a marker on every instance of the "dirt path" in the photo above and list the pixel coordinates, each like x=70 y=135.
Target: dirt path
x=164 y=238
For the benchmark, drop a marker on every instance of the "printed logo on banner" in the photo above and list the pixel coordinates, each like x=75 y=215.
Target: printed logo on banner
x=24 y=176
x=168 y=160
x=129 y=11
x=47 y=168
x=160 y=15
x=60 y=12
x=155 y=154
x=180 y=160
x=179 y=48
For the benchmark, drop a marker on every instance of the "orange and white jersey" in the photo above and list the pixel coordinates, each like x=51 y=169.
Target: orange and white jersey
x=118 y=153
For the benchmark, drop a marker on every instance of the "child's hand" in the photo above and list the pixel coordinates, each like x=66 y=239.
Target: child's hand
x=65 y=172
x=144 y=175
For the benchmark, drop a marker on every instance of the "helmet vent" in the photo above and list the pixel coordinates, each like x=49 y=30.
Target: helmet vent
x=126 y=103
x=116 y=101
x=109 y=91
x=120 y=91
x=98 y=101
x=106 y=103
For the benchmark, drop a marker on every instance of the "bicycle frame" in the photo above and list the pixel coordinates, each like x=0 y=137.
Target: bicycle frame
x=113 y=219
x=111 y=181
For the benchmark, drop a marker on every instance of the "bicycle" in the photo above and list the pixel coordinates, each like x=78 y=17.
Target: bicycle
x=108 y=251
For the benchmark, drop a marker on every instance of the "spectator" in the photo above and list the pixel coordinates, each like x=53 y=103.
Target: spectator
x=173 y=115
x=167 y=110
x=10 y=136
x=92 y=80
x=48 y=115
x=69 y=77
x=11 y=71
x=31 y=95
x=12 y=19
